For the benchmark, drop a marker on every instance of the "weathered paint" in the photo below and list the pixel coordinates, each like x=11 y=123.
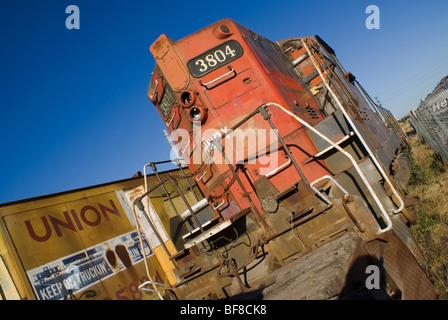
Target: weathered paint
x=84 y=241
x=261 y=221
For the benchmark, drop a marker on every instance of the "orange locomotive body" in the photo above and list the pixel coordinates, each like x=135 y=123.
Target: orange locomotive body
x=293 y=159
x=226 y=95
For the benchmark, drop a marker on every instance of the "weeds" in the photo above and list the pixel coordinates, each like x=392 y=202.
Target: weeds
x=429 y=182
x=418 y=175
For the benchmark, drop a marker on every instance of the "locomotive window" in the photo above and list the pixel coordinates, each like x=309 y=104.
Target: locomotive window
x=215 y=58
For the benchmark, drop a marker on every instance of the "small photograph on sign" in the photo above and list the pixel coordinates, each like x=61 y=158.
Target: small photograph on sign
x=82 y=269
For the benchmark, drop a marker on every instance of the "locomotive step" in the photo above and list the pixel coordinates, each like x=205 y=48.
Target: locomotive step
x=207 y=234
x=206 y=224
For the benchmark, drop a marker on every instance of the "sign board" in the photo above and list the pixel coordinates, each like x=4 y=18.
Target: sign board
x=88 y=244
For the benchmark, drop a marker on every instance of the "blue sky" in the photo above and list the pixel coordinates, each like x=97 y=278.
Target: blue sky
x=74 y=108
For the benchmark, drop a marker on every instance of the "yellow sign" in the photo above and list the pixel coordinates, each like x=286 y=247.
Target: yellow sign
x=87 y=247
x=48 y=233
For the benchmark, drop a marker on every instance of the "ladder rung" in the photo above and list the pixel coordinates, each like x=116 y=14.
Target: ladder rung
x=311 y=76
x=300 y=59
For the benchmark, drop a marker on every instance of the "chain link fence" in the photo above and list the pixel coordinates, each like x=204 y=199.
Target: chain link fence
x=430 y=120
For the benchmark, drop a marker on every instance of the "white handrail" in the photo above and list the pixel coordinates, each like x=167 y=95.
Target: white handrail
x=278 y=168
x=334 y=182
x=219 y=205
x=355 y=129
x=144 y=253
x=154 y=283
x=355 y=165
x=219 y=78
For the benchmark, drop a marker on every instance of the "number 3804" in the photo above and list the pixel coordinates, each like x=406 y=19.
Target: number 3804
x=213 y=59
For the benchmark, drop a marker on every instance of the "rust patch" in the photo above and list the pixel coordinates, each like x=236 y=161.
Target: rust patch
x=123 y=254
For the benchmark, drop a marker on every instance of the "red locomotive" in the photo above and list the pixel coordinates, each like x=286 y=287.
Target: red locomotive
x=298 y=165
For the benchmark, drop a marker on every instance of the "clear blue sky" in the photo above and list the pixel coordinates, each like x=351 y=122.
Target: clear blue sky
x=74 y=108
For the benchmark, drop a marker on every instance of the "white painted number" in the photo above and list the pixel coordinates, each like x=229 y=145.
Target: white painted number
x=211 y=60
x=230 y=51
x=203 y=65
x=220 y=56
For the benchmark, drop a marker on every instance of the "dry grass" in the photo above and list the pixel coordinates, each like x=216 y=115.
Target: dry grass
x=429 y=182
